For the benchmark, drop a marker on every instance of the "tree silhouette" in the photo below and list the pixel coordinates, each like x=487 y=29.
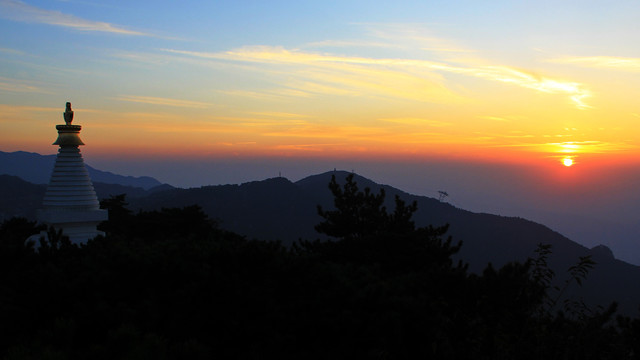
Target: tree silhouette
x=360 y=214
x=367 y=233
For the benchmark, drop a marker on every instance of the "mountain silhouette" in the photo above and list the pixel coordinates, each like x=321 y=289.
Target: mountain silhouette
x=19 y=198
x=36 y=168
x=278 y=209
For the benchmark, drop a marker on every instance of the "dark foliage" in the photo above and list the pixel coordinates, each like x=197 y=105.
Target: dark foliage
x=361 y=214
x=171 y=284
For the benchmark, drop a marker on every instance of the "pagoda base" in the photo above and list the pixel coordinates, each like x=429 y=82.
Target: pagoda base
x=80 y=225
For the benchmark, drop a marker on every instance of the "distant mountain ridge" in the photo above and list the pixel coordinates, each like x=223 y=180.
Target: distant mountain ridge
x=36 y=168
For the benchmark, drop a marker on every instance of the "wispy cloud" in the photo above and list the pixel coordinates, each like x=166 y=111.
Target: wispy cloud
x=349 y=44
x=279 y=115
x=310 y=87
x=577 y=92
x=11 y=51
x=417 y=122
x=278 y=94
x=308 y=147
x=337 y=75
x=574 y=147
x=19 y=11
x=495 y=118
x=608 y=62
x=163 y=101
x=13 y=85
x=413 y=36
x=589 y=146
x=519 y=136
x=405 y=78
x=16 y=109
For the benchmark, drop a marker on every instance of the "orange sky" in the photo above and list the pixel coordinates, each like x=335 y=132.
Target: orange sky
x=527 y=82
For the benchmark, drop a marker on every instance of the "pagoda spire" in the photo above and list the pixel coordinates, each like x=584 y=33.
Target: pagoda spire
x=70 y=202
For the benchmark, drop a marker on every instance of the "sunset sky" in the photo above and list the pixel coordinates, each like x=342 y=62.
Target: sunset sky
x=380 y=86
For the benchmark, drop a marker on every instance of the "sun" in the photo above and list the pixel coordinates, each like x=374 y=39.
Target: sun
x=567 y=162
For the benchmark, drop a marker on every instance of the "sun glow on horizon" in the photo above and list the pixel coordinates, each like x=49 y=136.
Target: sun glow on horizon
x=567 y=162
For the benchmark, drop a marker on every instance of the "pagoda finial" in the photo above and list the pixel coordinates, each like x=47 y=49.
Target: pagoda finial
x=68 y=135
x=68 y=114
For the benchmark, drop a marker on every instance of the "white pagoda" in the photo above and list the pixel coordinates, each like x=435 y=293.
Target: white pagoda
x=70 y=202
